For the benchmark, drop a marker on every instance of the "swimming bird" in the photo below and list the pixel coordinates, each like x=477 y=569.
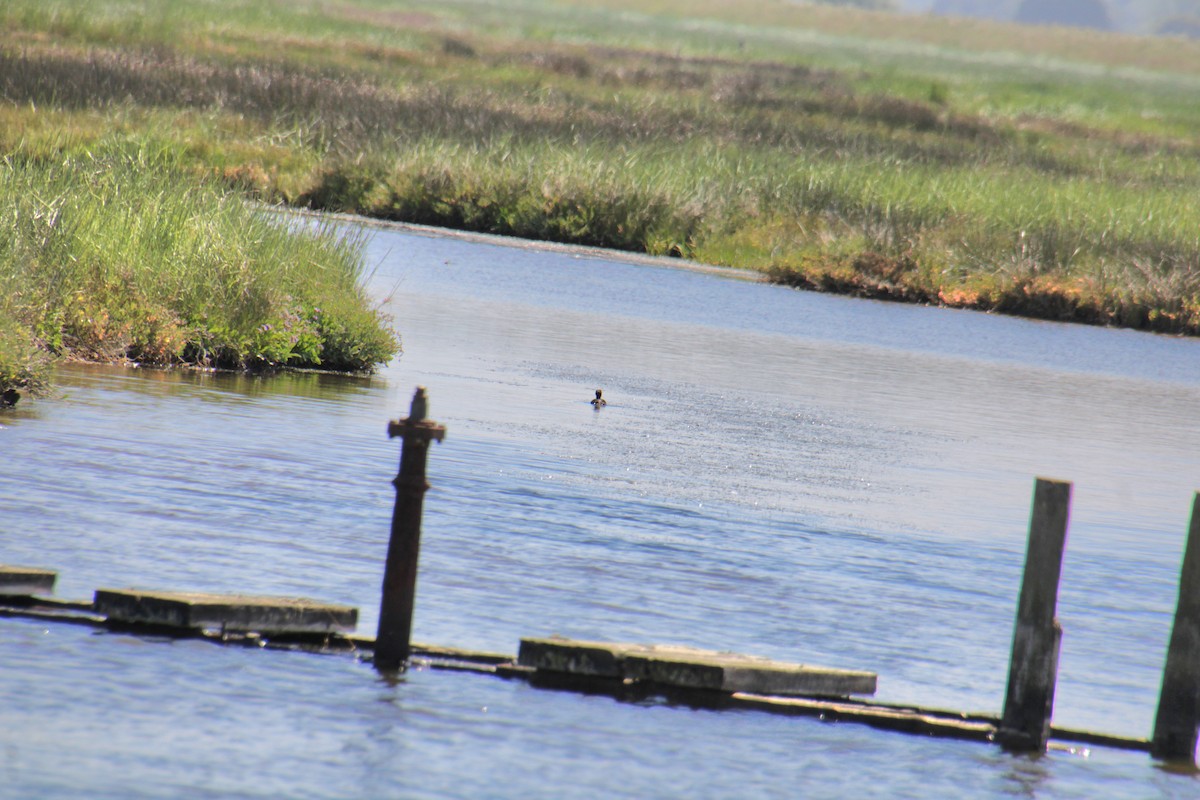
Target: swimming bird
x=599 y=401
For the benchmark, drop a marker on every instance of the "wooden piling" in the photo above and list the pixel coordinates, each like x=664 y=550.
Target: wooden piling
x=1037 y=635
x=1178 y=720
x=393 y=640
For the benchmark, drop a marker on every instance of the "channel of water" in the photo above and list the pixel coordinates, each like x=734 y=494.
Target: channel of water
x=812 y=478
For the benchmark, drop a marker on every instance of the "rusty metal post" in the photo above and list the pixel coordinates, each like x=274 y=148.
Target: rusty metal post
x=1178 y=720
x=1037 y=636
x=392 y=642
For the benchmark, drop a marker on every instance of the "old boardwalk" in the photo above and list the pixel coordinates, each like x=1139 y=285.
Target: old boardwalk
x=708 y=678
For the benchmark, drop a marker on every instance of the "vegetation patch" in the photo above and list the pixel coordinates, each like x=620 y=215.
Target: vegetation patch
x=958 y=162
x=127 y=255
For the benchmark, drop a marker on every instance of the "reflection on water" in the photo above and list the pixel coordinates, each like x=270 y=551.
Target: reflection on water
x=777 y=472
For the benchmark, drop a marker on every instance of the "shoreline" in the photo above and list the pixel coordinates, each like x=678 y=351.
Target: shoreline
x=542 y=245
x=853 y=290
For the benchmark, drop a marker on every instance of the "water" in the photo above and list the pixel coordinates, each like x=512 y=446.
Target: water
x=812 y=478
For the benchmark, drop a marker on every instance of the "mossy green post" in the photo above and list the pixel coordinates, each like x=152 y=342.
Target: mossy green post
x=393 y=640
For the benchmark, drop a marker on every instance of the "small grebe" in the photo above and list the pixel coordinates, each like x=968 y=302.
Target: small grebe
x=599 y=401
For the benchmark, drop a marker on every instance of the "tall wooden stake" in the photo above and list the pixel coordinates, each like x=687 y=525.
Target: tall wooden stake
x=392 y=642
x=1178 y=721
x=1033 y=671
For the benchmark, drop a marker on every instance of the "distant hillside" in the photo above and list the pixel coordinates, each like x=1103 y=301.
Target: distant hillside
x=870 y=5
x=1167 y=17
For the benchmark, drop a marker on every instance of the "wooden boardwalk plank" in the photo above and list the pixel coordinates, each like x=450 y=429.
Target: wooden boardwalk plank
x=693 y=668
x=893 y=718
x=26 y=581
x=231 y=612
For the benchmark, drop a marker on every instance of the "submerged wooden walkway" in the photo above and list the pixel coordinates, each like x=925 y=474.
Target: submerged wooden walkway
x=640 y=672
x=627 y=672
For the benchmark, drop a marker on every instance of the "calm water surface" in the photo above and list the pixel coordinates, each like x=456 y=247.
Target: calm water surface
x=812 y=478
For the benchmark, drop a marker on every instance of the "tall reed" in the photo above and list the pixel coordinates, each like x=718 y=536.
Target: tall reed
x=124 y=254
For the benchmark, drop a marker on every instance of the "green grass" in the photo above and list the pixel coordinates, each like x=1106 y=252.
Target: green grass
x=126 y=255
x=1051 y=174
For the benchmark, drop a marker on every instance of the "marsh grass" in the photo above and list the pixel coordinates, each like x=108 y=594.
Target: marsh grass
x=125 y=255
x=952 y=162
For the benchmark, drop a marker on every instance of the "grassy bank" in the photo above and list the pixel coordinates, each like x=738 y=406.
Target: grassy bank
x=956 y=162
x=127 y=255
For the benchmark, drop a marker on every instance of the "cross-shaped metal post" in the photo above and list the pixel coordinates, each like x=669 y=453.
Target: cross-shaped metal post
x=392 y=642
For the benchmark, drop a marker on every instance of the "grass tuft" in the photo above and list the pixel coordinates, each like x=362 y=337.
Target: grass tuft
x=125 y=254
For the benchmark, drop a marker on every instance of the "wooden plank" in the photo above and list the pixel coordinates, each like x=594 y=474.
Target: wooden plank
x=26 y=581
x=454 y=653
x=1100 y=739
x=692 y=668
x=926 y=721
x=198 y=610
x=878 y=716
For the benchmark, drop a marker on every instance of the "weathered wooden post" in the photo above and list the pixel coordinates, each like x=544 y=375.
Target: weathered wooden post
x=1178 y=720
x=1033 y=671
x=392 y=642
